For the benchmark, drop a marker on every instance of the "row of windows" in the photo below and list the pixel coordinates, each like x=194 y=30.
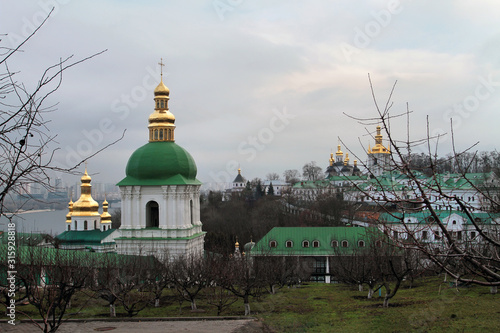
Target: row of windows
x=161 y=104
x=86 y=225
x=316 y=243
x=161 y=134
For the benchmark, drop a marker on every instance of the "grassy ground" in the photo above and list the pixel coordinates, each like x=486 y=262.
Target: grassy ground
x=430 y=305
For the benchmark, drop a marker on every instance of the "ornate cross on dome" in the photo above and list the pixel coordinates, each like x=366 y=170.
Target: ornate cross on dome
x=161 y=66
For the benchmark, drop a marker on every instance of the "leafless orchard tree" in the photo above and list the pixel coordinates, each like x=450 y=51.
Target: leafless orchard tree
x=238 y=276
x=51 y=278
x=215 y=294
x=190 y=276
x=27 y=146
x=126 y=280
x=467 y=260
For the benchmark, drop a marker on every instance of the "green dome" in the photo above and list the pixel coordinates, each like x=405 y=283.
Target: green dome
x=160 y=163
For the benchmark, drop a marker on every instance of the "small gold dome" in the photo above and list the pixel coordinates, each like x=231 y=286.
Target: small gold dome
x=86 y=178
x=162 y=90
x=70 y=211
x=161 y=117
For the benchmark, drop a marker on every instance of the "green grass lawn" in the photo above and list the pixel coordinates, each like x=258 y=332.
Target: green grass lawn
x=430 y=305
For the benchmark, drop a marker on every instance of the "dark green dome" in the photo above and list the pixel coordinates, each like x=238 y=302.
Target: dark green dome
x=160 y=163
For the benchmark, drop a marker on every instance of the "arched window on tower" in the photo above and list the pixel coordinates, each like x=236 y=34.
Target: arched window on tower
x=85 y=225
x=162 y=104
x=76 y=225
x=156 y=134
x=161 y=134
x=95 y=224
x=191 y=211
x=152 y=215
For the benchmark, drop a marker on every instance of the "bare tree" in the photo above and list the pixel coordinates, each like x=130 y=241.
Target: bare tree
x=238 y=276
x=214 y=294
x=272 y=176
x=189 y=276
x=126 y=279
x=291 y=176
x=471 y=258
x=51 y=278
x=310 y=171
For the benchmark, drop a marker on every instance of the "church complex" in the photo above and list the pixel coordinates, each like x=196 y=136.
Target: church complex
x=160 y=199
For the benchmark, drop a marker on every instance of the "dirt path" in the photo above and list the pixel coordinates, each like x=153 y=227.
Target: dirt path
x=201 y=326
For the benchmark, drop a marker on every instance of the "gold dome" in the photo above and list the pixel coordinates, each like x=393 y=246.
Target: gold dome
x=105 y=216
x=86 y=205
x=378 y=148
x=162 y=90
x=339 y=152
x=161 y=117
x=70 y=211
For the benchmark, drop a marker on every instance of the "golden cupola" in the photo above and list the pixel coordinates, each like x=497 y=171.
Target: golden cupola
x=105 y=216
x=161 y=121
x=70 y=211
x=378 y=148
x=86 y=205
x=331 y=159
x=339 y=152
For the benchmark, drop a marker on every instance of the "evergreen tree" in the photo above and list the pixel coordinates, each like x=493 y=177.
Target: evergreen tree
x=270 y=190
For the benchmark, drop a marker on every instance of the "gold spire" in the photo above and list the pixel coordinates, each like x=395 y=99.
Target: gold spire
x=378 y=148
x=339 y=152
x=331 y=159
x=161 y=121
x=86 y=205
x=239 y=171
x=347 y=158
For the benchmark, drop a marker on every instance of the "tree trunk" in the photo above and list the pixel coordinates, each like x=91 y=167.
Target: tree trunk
x=157 y=302
x=360 y=287
x=370 y=293
x=493 y=289
x=193 y=304
x=386 y=301
x=112 y=310
x=247 y=309
x=247 y=305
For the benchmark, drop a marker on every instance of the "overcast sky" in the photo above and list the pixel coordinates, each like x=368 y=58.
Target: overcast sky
x=260 y=84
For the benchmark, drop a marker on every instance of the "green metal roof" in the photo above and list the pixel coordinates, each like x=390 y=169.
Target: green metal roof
x=160 y=163
x=324 y=235
x=36 y=255
x=84 y=236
